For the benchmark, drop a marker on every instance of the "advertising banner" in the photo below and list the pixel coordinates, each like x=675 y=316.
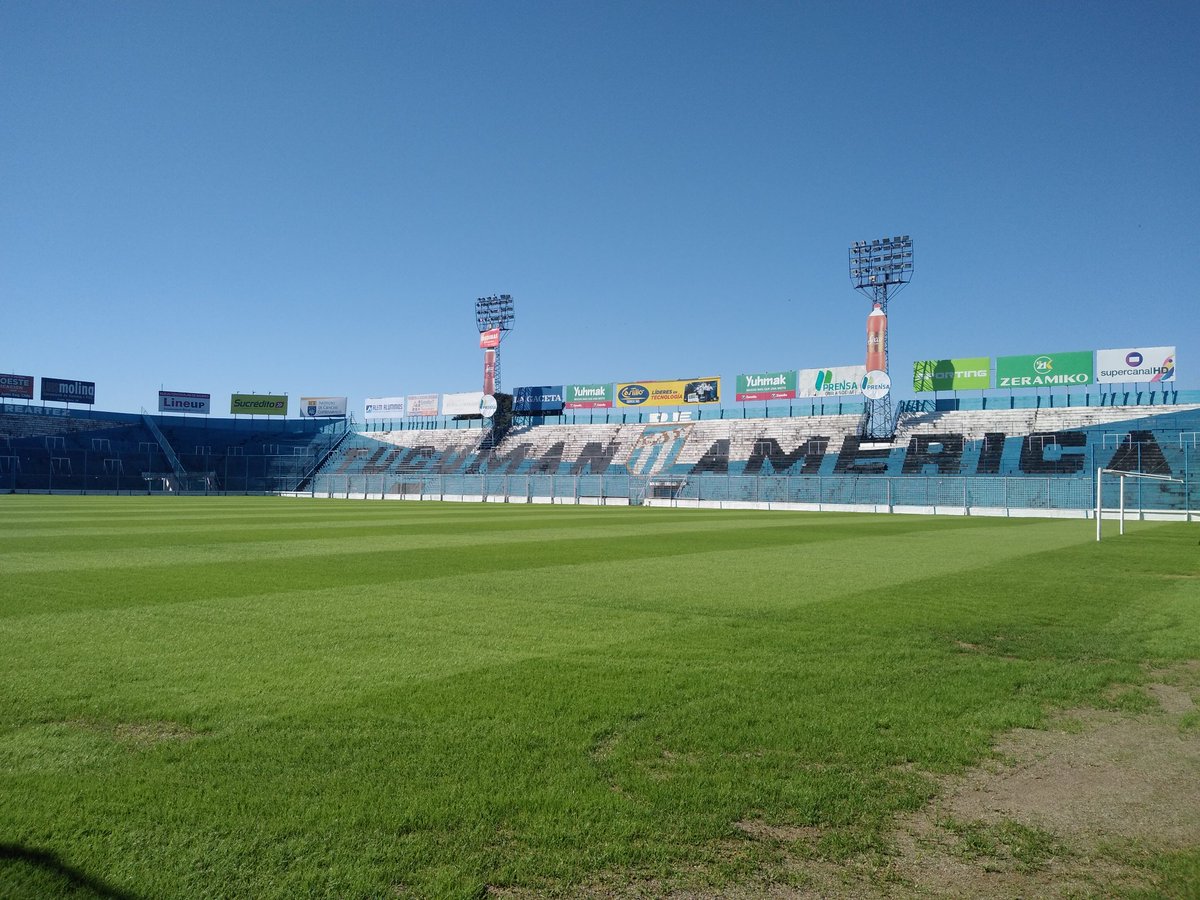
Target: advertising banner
x=876 y=385
x=489 y=371
x=544 y=399
x=966 y=374
x=669 y=393
x=1044 y=370
x=1140 y=365
x=877 y=340
x=489 y=339
x=588 y=396
x=463 y=404
x=768 y=386
x=258 y=404
x=323 y=407
x=19 y=386
x=839 y=381
x=60 y=390
x=183 y=402
x=422 y=405
x=384 y=408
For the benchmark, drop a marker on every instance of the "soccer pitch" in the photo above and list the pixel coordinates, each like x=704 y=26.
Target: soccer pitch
x=269 y=697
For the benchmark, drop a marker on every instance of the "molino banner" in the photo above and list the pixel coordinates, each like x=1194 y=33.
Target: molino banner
x=258 y=404
x=768 y=386
x=588 y=396
x=1140 y=365
x=1044 y=370
x=840 y=381
x=669 y=393
x=323 y=407
x=967 y=374
x=60 y=390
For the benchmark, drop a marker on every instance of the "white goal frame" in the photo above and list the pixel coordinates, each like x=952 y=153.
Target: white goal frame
x=1121 y=476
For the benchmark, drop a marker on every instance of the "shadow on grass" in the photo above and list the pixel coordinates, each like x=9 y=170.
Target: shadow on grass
x=49 y=866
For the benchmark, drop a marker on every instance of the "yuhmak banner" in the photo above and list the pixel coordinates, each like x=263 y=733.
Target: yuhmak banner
x=1135 y=365
x=669 y=393
x=19 y=386
x=768 y=386
x=543 y=399
x=1045 y=370
x=258 y=404
x=966 y=374
x=588 y=396
x=838 y=381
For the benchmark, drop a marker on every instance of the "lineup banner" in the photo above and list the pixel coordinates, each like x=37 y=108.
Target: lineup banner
x=463 y=404
x=768 y=386
x=544 y=399
x=838 y=381
x=1139 y=365
x=966 y=374
x=422 y=405
x=183 y=402
x=19 y=386
x=588 y=396
x=669 y=393
x=384 y=408
x=60 y=390
x=323 y=407
x=258 y=404
x=1045 y=370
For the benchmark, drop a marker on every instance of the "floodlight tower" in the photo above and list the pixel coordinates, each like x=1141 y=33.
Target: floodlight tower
x=880 y=269
x=494 y=317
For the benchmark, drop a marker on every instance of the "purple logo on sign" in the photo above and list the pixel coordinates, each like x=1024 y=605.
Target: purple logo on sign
x=1133 y=359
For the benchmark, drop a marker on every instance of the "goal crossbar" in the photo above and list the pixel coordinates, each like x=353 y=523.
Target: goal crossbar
x=1121 y=476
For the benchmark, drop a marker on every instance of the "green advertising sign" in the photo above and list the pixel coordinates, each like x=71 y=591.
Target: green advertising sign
x=767 y=386
x=588 y=396
x=1045 y=370
x=258 y=404
x=968 y=374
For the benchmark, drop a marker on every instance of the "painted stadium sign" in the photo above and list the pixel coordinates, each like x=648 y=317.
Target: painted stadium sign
x=768 y=386
x=966 y=374
x=184 y=402
x=839 y=381
x=1135 y=365
x=1045 y=370
x=60 y=390
x=588 y=396
x=678 y=392
x=258 y=404
x=18 y=386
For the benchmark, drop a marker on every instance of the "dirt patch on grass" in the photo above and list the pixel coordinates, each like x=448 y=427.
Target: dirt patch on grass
x=139 y=735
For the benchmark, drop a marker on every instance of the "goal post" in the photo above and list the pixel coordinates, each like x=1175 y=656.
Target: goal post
x=1120 y=475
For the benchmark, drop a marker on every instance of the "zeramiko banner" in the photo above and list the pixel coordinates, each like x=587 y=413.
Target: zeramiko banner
x=669 y=393
x=1045 y=370
x=258 y=404
x=767 y=386
x=967 y=374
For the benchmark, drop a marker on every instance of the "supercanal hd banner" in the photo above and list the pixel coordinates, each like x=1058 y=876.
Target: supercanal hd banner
x=1135 y=365
x=966 y=374
x=767 y=386
x=681 y=392
x=1045 y=370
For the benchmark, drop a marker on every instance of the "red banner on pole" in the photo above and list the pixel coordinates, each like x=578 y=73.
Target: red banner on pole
x=488 y=339
x=489 y=371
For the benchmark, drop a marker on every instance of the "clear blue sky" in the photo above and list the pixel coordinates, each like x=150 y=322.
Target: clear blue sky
x=308 y=197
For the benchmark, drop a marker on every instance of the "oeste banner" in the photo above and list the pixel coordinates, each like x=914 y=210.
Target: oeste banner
x=463 y=404
x=422 y=405
x=383 y=408
x=258 y=404
x=1135 y=365
x=767 y=386
x=588 y=396
x=323 y=407
x=838 y=381
x=669 y=393
x=184 y=402
x=1045 y=370
x=966 y=374
x=19 y=386
x=62 y=390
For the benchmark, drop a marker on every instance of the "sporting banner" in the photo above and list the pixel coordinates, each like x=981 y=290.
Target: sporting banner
x=383 y=408
x=258 y=404
x=588 y=396
x=19 y=386
x=1135 y=365
x=463 y=404
x=183 y=402
x=60 y=390
x=669 y=393
x=768 y=386
x=422 y=405
x=966 y=374
x=1044 y=370
x=323 y=407
x=544 y=399
x=489 y=339
x=838 y=381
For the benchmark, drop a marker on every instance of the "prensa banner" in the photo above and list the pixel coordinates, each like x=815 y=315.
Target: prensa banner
x=323 y=407
x=184 y=402
x=1135 y=365
x=837 y=381
x=669 y=393
x=258 y=404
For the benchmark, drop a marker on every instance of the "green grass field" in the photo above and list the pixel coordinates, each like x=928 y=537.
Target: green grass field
x=268 y=697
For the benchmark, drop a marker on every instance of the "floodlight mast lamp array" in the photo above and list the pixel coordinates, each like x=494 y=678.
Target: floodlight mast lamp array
x=495 y=312
x=879 y=269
